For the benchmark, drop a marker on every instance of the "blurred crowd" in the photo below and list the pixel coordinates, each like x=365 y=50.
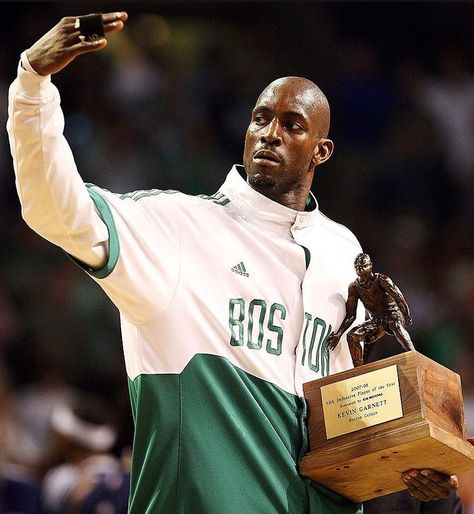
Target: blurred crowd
x=166 y=105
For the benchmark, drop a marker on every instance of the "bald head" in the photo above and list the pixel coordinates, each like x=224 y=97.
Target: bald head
x=306 y=95
x=286 y=139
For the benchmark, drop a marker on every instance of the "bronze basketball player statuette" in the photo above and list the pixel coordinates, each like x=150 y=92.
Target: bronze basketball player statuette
x=386 y=305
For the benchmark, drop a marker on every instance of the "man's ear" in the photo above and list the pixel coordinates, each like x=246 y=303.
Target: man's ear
x=322 y=151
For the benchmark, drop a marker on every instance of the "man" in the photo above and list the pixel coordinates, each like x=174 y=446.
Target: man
x=226 y=301
x=383 y=301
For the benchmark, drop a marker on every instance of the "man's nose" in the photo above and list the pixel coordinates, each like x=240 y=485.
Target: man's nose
x=271 y=134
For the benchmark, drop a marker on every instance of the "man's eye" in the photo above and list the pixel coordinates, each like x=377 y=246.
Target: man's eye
x=259 y=120
x=291 y=125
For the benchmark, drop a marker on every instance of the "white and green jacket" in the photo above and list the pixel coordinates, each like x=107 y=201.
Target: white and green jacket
x=225 y=301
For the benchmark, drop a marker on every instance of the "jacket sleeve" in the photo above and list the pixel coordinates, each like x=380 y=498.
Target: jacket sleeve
x=54 y=199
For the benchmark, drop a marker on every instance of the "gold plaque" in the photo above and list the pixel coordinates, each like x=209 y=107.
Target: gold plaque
x=361 y=401
x=416 y=422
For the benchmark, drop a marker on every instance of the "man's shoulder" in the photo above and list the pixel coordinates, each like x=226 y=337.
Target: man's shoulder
x=354 y=287
x=156 y=197
x=139 y=195
x=383 y=279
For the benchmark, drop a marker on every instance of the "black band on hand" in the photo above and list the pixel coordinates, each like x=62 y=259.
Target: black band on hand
x=91 y=26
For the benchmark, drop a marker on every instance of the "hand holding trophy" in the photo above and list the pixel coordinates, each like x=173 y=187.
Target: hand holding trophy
x=401 y=417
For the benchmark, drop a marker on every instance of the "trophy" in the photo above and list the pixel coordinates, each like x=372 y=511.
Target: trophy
x=369 y=424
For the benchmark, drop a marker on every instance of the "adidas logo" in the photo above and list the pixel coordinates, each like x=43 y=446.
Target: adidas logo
x=240 y=269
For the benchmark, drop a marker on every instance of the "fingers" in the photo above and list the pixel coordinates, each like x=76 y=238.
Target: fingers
x=84 y=46
x=64 y=42
x=114 y=16
x=427 y=484
x=113 y=22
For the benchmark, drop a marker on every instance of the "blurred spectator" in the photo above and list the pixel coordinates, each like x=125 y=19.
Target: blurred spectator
x=90 y=479
x=19 y=484
x=448 y=98
x=19 y=494
x=36 y=401
x=17 y=445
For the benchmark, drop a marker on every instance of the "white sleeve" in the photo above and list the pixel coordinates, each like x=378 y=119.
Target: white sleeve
x=54 y=200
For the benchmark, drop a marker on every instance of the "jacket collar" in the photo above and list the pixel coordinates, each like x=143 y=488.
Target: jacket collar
x=260 y=210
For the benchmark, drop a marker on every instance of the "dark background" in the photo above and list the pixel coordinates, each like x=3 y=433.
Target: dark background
x=166 y=105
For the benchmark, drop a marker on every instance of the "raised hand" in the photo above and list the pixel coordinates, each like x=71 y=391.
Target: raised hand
x=62 y=44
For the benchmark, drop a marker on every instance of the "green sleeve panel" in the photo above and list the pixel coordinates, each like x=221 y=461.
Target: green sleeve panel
x=113 y=243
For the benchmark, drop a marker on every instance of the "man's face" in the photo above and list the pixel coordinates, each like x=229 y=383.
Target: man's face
x=364 y=268
x=281 y=138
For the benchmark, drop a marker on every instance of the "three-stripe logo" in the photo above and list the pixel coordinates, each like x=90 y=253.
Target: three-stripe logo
x=240 y=269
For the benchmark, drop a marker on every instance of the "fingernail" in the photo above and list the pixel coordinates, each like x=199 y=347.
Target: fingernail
x=425 y=472
x=413 y=473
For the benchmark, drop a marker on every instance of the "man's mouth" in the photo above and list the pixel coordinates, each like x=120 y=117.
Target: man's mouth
x=266 y=158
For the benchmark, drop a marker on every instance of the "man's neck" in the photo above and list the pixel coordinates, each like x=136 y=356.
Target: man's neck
x=291 y=199
x=366 y=280
x=295 y=199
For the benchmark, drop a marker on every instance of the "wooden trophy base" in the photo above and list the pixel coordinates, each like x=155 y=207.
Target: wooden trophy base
x=363 y=463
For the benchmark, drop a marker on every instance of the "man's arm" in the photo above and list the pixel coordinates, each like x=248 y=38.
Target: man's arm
x=390 y=288
x=55 y=202
x=351 y=313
